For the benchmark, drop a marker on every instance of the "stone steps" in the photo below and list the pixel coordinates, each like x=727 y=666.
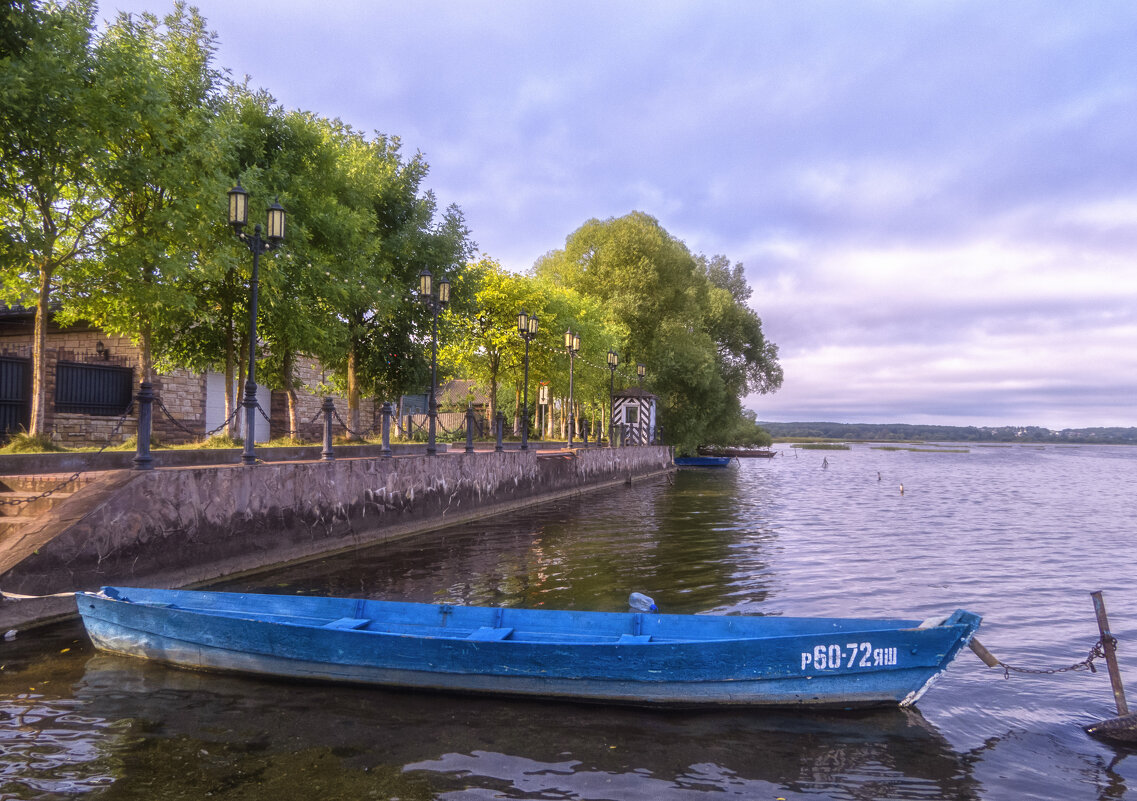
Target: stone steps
x=23 y=496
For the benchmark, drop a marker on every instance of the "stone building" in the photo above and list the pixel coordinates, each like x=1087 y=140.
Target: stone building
x=91 y=378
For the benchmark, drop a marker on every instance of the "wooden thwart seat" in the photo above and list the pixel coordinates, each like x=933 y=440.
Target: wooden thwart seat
x=348 y=623
x=627 y=639
x=488 y=633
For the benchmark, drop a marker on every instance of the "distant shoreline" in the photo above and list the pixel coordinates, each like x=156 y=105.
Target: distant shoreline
x=910 y=432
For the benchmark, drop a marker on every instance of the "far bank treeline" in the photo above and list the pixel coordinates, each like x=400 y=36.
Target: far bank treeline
x=117 y=147
x=908 y=432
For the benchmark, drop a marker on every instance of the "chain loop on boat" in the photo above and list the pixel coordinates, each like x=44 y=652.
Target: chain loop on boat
x=1096 y=652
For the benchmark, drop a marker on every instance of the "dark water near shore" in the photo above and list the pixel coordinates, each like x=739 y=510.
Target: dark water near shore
x=1018 y=534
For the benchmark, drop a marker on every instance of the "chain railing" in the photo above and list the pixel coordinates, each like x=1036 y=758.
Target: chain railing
x=74 y=476
x=183 y=427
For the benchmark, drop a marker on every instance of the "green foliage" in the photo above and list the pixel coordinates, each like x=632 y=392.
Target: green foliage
x=162 y=167
x=117 y=147
x=56 y=122
x=683 y=315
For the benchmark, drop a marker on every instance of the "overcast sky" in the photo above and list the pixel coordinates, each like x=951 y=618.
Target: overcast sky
x=935 y=202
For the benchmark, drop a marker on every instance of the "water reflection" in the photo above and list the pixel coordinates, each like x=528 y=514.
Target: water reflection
x=1017 y=535
x=455 y=744
x=684 y=544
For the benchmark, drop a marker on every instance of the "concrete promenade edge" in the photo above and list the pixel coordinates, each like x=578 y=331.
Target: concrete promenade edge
x=189 y=526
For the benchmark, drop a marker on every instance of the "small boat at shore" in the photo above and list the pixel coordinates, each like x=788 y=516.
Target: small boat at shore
x=639 y=658
x=702 y=461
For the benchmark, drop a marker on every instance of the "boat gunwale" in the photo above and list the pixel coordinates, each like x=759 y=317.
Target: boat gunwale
x=530 y=636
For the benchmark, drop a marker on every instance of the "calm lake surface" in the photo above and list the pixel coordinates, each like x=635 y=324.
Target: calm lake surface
x=1019 y=534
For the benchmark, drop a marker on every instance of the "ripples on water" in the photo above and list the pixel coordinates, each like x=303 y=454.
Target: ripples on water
x=1018 y=534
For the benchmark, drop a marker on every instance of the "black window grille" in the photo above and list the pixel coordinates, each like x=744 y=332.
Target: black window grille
x=92 y=388
x=15 y=395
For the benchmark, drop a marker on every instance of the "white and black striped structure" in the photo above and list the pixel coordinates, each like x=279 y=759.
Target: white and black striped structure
x=635 y=408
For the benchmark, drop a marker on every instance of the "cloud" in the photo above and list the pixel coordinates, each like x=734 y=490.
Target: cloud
x=934 y=202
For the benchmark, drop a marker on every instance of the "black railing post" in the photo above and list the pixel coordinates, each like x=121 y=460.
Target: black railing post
x=470 y=428
x=145 y=398
x=500 y=425
x=385 y=452
x=329 y=408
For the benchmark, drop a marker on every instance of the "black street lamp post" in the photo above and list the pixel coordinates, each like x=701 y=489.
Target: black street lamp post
x=527 y=327
x=572 y=346
x=274 y=235
x=613 y=362
x=435 y=303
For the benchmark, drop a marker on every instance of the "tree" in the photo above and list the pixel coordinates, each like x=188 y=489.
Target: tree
x=161 y=170
x=684 y=316
x=55 y=126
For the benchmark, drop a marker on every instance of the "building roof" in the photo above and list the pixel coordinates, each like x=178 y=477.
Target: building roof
x=633 y=392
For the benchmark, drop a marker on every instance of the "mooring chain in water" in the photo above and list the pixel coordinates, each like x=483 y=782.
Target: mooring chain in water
x=1096 y=652
x=74 y=476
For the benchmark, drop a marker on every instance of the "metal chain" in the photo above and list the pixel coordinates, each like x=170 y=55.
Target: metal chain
x=74 y=476
x=1096 y=652
x=264 y=414
x=349 y=429
x=179 y=424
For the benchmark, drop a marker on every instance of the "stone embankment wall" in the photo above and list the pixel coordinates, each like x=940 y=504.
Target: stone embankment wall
x=178 y=527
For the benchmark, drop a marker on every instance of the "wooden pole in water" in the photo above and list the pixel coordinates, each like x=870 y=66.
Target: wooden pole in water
x=1110 y=654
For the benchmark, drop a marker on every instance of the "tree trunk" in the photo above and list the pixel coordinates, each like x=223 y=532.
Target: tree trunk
x=230 y=379
x=517 y=411
x=289 y=361
x=493 y=392
x=39 y=352
x=353 y=392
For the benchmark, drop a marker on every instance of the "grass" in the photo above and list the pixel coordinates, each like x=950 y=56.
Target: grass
x=823 y=446
x=920 y=450
x=31 y=443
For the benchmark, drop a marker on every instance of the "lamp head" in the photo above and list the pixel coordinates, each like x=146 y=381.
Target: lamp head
x=275 y=222
x=238 y=207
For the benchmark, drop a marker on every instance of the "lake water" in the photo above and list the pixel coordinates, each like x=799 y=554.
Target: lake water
x=1018 y=534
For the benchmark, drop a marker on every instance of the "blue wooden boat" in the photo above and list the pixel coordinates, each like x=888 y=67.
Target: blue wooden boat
x=702 y=461
x=629 y=658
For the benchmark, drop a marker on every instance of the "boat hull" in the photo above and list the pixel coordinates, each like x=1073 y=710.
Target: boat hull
x=702 y=461
x=603 y=666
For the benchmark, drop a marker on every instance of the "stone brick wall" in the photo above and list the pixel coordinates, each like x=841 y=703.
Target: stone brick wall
x=310 y=386
x=82 y=345
x=183 y=397
x=181 y=392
